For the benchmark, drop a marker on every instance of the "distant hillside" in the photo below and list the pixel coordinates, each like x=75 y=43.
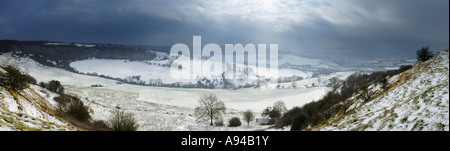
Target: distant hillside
x=59 y=54
x=415 y=100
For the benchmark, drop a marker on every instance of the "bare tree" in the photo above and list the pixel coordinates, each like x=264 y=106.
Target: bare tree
x=209 y=108
x=122 y=121
x=249 y=116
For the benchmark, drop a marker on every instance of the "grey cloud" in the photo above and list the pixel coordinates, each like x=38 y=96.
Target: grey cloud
x=379 y=27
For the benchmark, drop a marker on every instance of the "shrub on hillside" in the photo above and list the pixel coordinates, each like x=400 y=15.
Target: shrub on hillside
x=72 y=106
x=423 y=54
x=122 y=121
x=77 y=109
x=53 y=85
x=234 y=122
x=73 y=110
x=15 y=78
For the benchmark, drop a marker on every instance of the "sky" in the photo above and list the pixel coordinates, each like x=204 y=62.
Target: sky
x=302 y=27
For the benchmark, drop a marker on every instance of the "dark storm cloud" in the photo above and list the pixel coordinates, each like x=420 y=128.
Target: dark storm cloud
x=84 y=22
x=352 y=27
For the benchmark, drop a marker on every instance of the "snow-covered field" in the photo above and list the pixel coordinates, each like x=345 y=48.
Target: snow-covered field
x=160 y=69
x=159 y=108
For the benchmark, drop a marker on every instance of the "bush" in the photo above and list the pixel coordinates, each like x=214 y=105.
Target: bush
x=55 y=86
x=122 y=121
x=14 y=78
x=423 y=54
x=77 y=109
x=234 y=122
x=72 y=106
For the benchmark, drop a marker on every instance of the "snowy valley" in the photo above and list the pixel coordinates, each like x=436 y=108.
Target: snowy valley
x=163 y=108
x=144 y=88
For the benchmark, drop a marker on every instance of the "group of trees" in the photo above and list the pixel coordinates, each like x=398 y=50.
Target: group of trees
x=211 y=109
x=202 y=82
x=289 y=79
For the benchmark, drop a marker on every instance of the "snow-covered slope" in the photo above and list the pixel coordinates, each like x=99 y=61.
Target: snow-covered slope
x=29 y=109
x=415 y=100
